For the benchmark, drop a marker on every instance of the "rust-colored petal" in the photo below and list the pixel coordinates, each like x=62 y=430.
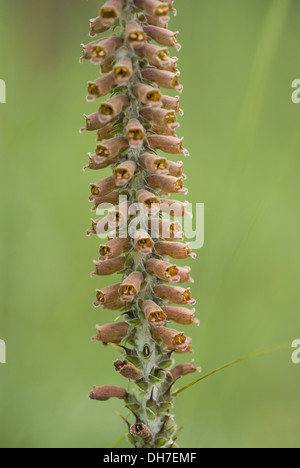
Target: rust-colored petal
x=100 y=87
x=142 y=431
x=148 y=95
x=153 y=7
x=109 y=267
x=171 y=338
x=167 y=184
x=111 y=108
x=103 y=187
x=163 y=270
x=122 y=71
x=135 y=133
x=167 y=144
x=114 y=248
x=148 y=199
x=112 y=148
x=124 y=173
x=174 y=294
x=163 y=78
x=163 y=36
x=135 y=35
x=184 y=369
x=111 y=332
x=181 y=315
x=111 y=11
x=143 y=242
x=154 y=314
x=131 y=286
x=176 y=250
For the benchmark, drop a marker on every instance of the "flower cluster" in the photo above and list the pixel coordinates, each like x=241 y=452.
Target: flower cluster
x=133 y=125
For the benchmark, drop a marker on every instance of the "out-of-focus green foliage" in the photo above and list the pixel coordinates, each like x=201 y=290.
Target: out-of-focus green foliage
x=238 y=61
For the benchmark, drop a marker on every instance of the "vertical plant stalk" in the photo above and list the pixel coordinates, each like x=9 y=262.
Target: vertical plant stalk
x=136 y=123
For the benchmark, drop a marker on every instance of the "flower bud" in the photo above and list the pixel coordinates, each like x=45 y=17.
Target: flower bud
x=122 y=71
x=124 y=173
x=107 y=295
x=163 y=270
x=111 y=332
x=167 y=144
x=100 y=87
x=171 y=338
x=110 y=11
x=106 y=392
x=114 y=248
x=141 y=430
x=111 y=108
x=111 y=148
x=176 y=250
x=154 y=314
x=131 y=286
x=184 y=369
x=143 y=242
x=97 y=51
x=181 y=315
x=174 y=294
x=103 y=187
x=163 y=78
x=167 y=184
x=162 y=36
x=109 y=267
x=135 y=35
x=153 y=7
x=97 y=27
x=135 y=133
x=128 y=370
x=148 y=199
x=148 y=95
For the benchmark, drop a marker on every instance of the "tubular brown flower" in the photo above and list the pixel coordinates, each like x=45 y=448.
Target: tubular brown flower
x=135 y=121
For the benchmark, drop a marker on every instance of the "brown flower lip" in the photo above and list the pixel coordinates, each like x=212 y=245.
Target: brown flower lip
x=128 y=370
x=135 y=35
x=97 y=51
x=111 y=332
x=106 y=392
x=143 y=242
x=174 y=294
x=153 y=7
x=111 y=148
x=171 y=338
x=163 y=36
x=110 y=11
x=163 y=78
x=103 y=187
x=160 y=117
x=150 y=201
x=124 y=173
x=100 y=87
x=176 y=250
x=131 y=286
x=135 y=133
x=107 y=295
x=163 y=270
x=112 y=197
x=167 y=144
x=122 y=71
x=154 y=314
x=159 y=21
x=92 y=123
x=165 y=229
x=109 y=267
x=97 y=27
x=114 y=248
x=167 y=184
x=111 y=108
x=148 y=95
x=155 y=55
x=181 y=315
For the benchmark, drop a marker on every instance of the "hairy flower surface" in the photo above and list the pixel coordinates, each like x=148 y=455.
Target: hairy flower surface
x=136 y=120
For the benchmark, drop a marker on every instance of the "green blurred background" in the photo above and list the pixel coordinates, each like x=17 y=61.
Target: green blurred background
x=238 y=61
